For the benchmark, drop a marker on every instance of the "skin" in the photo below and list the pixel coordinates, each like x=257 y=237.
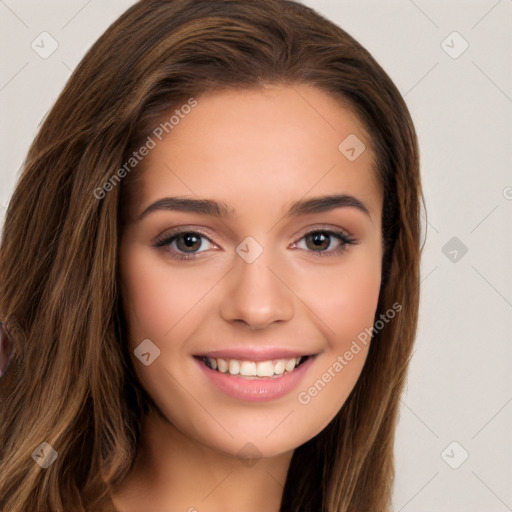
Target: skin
x=257 y=150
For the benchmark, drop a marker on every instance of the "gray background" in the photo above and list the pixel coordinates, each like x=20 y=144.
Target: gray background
x=459 y=389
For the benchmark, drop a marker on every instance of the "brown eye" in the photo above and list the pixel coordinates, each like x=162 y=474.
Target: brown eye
x=188 y=242
x=184 y=244
x=318 y=241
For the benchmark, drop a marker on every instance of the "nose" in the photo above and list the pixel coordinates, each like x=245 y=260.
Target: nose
x=255 y=294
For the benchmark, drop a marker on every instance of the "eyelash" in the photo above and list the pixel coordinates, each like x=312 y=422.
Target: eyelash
x=168 y=239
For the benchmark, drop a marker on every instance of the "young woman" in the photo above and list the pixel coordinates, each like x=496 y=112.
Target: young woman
x=209 y=271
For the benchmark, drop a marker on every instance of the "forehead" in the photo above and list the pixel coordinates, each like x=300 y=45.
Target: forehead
x=274 y=145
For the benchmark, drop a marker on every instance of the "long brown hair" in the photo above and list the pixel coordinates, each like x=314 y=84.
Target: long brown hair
x=70 y=383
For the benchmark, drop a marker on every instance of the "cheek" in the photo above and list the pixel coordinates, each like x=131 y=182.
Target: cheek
x=156 y=298
x=347 y=312
x=357 y=302
x=349 y=299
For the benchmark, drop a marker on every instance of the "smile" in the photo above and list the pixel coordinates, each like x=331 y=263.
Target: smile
x=255 y=369
x=260 y=380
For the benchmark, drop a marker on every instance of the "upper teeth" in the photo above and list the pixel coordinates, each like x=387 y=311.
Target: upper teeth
x=253 y=368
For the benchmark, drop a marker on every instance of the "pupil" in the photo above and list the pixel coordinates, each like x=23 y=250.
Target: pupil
x=319 y=239
x=189 y=241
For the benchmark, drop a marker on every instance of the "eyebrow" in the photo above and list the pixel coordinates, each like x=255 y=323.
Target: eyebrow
x=221 y=209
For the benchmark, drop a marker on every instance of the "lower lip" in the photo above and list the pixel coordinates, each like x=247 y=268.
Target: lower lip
x=256 y=390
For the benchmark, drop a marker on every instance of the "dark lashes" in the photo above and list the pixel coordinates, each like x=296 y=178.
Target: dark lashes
x=346 y=239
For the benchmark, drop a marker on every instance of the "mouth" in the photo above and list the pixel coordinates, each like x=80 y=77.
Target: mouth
x=253 y=370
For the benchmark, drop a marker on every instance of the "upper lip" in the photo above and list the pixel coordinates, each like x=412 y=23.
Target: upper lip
x=255 y=353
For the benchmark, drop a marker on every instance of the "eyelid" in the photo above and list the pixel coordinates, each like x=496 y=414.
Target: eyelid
x=163 y=240
x=347 y=238
x=183 y=229
x=343 y=235
x=325 y=227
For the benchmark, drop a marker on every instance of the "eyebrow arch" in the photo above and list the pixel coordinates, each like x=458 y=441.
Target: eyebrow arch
x=222 y=209
x=326 y=203
x=184 y=204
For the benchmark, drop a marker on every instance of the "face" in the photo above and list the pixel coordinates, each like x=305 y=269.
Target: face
x=262 y=276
